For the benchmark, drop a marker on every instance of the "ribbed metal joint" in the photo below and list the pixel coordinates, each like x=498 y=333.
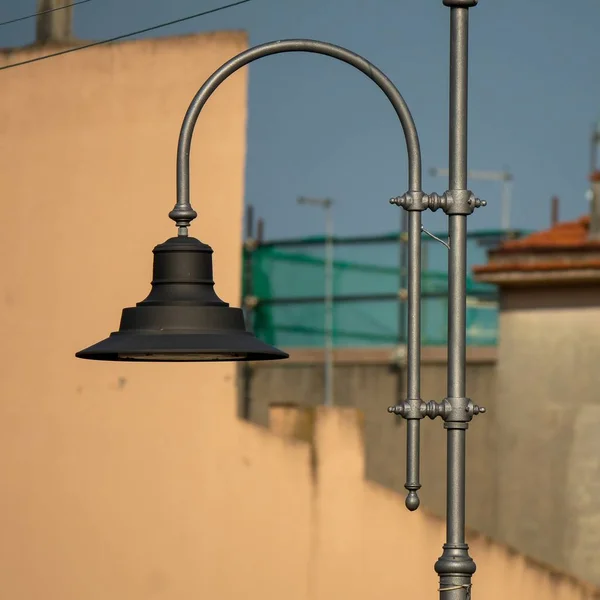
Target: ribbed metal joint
x=456 y=411
x=183 y=215
x=419 y=201
x=435 y=201
x=417 y=409
x=435 y=409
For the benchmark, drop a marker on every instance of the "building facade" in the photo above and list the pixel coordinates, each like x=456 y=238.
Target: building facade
x=547 y=398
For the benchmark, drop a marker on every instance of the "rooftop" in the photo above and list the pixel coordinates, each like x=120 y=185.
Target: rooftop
x=562 y=253
x=568 y=235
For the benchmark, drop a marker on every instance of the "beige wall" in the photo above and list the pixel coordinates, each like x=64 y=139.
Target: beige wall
x=548 y=418
x=364 y=543
x=363 y=379
x=533 y=460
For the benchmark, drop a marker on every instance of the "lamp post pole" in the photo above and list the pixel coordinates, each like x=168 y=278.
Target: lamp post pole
x=455 y=567
x=183 y=319
x=326 y=204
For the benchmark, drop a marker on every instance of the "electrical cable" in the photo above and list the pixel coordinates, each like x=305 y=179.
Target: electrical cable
x=43 y=12
x=123 y=36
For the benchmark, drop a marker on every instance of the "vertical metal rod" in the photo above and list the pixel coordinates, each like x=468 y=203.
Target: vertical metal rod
x=414 y=306
x=403 y=270
x=328 y=304
x=402 y=314
x=455 y=566
x=459 y=33
x=424 y=269
x=457 y=227
x=457 y=268
x=456 y=487
x=413 y=374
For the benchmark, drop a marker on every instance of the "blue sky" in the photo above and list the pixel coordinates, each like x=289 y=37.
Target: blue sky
x=318 y=128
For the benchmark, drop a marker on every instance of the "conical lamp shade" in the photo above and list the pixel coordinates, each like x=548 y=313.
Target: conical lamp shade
x=182 y=319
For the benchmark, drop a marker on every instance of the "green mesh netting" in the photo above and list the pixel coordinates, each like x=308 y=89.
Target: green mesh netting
x=286 y=274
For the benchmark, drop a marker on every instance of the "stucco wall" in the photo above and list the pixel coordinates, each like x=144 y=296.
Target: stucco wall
x=533 y=460
x=364 y=543
x=363 y=379
x=548 y=418
x=101 y=465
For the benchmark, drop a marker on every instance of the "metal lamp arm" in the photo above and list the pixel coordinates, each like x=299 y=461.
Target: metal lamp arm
x=414 y=201
x=183 y=213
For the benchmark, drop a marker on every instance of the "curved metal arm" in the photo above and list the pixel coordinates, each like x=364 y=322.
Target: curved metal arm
x=183 y=213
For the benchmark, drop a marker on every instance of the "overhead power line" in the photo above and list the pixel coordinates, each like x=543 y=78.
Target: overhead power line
x=124 y=36
x=43 y=12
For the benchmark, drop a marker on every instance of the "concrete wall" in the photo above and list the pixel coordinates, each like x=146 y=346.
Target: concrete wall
x=364 y=380
x=548 y=417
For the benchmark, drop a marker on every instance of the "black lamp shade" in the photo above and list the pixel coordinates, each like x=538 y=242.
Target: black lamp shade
x=182 y=319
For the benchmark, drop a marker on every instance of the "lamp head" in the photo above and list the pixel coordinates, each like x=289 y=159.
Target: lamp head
x=182 y=319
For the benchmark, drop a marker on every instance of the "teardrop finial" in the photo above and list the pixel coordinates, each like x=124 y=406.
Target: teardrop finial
x=412 y=501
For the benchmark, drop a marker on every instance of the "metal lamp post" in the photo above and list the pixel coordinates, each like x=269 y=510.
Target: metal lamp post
x=326 y=204
x=183 y=319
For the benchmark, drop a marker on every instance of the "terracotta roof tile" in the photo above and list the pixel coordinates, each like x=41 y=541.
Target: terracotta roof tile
x=569 y=240
x=567 y=235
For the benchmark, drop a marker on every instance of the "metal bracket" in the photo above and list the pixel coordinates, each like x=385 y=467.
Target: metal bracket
x=452 y=202
x=412 y=201
x=418 y=201
x=417 y=409
x=461 y=202
x=456 y=412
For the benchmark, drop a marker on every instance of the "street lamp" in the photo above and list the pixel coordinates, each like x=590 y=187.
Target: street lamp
x=183 y=319
x=326 y=205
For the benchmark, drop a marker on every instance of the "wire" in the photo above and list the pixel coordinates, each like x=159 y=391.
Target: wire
x=125 y=35
x=43 y=12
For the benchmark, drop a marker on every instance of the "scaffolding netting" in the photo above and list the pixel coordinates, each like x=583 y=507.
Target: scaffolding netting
x=287 y=280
